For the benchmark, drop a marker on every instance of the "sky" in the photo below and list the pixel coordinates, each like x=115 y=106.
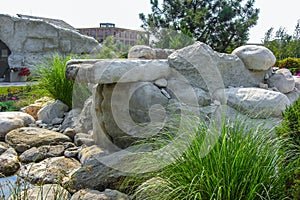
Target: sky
x=125 y=13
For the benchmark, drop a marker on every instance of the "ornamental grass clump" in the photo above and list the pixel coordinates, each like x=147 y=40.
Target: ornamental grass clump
x=52 y=78
x=245 y=163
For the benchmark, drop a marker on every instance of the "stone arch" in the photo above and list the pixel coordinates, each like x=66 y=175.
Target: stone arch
x=4 y=54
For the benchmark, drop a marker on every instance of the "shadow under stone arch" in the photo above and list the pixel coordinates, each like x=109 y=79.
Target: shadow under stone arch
x=4 y=54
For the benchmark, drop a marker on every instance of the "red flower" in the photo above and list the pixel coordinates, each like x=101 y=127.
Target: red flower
x=23 y=71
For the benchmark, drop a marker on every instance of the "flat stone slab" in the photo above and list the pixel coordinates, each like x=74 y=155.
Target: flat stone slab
x=107 y=71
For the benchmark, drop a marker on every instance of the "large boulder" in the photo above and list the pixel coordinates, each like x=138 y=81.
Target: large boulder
x=283 y=80
x=209 y=70
x=54 y=110
x=13 y=120
x=25 y=138
x=33 y=40
x=50 y=170
x=9 y=162
x=94 y=174
x=255 y=57
x=256 y=102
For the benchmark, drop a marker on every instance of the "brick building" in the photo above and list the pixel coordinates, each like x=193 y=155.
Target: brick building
x=127 y=36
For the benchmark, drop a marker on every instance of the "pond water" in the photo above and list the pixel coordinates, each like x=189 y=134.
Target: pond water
x=12 y=184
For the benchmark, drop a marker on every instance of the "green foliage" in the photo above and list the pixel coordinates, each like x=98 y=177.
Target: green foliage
x=291 y=122
x=224 y=25
x=293 y=64
x=170 y=39
x=282 y=44
x=8 y=106
x=113 y=49
x=52 y=79
x=14 y=98
x=290 y=128
x=243 y=164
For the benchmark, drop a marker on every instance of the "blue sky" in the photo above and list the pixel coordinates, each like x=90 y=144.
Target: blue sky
x=124 y=13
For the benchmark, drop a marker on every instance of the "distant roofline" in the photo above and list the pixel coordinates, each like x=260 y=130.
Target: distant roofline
x=111 y=28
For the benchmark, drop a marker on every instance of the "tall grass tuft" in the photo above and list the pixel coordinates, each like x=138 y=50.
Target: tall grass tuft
x=52 y=78
x=245 y=164
x=290 y=128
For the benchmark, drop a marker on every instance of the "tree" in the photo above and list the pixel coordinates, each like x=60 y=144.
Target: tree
x=282 y=44
x=222 y=24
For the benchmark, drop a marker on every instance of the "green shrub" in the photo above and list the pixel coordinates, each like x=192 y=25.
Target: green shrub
x=293 y=64
x=13 y=98
x=243 y=164
x=52 y=78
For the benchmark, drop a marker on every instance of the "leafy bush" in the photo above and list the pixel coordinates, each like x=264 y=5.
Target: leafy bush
x=243 y=164
x=290 y=128
x=52 y=78
x=14 y=98
x=293 y=64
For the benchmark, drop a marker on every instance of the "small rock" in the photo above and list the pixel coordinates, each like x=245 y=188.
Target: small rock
x=70 y=132
x=47 y=191
x=38 y=122
x=282 y=80
x=57 y=120
x=3 y=147
x=33 y=109
x=71 y=152
x=95 y=194
x=83 y=139
x=293 y=95
x=141 y=52
x=161 y=83
x=68 y=145
x=52 y=111
x=52 y=150
x=263 y=86
x=297 y=82
x=31 y=155
x=164 y=92
x=9 y=162
x=55 y=129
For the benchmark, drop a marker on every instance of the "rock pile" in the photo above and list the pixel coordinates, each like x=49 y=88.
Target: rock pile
x=49 y=158
x=134 y=99
x=132 y=94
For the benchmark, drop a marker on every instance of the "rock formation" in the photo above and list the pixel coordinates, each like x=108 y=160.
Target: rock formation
x=32 y=40
x=135 y=96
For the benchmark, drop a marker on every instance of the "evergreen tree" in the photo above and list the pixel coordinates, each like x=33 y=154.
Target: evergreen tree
x=222 y=24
